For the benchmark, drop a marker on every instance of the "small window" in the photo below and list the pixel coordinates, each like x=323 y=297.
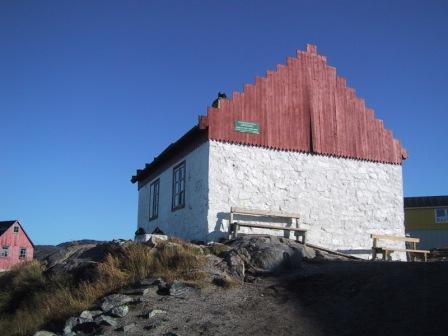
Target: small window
x=16 y=229
x=22 y=254
x=178 y=201
x=441 y=215
x=4 y=252
x=154 y=199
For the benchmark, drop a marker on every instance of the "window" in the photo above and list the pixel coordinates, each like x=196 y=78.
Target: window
x=154 y=199
x=4 y=252
x=441 y=215
x=16 y=229
x=22 y=254
x=178 y=187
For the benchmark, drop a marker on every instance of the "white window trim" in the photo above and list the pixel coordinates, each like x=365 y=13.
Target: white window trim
x=2 y=252
x=441 y=219
x=20 y=253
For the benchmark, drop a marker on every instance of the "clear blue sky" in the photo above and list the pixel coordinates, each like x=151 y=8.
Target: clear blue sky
x=92 y=90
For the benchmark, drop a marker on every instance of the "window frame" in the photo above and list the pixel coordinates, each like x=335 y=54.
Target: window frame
x=182 y=167
x=442 y=219
x=16 y=228
x=20 y=253
x=152 y=205
x=2 y=253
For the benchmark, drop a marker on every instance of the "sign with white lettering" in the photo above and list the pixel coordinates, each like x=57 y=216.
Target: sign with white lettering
x=247 y=127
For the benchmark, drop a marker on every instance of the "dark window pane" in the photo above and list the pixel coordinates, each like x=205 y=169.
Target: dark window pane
x=178 y=197
x=154 y=199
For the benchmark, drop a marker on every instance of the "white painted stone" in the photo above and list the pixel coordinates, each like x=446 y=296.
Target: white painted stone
x=342 y=201
x=191 y=221
x=152 y=238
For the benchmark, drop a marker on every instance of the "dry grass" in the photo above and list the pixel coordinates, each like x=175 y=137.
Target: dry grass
x=226 y=281
x=217 y=249
x=31 y=300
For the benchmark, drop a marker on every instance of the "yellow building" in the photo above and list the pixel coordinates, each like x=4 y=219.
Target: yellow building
x=427 y=218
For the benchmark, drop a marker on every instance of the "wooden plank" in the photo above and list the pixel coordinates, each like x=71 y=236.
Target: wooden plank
x=390 y=249
x=254 y=212
x=272 y=227
x=386 y=237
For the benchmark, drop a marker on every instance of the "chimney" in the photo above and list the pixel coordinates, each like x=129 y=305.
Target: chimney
x=217 y=101
x=311 y=49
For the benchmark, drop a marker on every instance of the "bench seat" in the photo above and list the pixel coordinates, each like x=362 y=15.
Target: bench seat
x=293 y=218
x=386 y=251
x=267 y=226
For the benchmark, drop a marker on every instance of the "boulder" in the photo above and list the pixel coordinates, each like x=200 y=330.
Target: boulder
x=120 y=311
x=155 y=312
x=90 y=314
x=105 y=320
x=113 y=301
x=180 y=290
x=44 y=333
x=151 y=239
x=264 y=253
x=142 y=299
x=72 y=322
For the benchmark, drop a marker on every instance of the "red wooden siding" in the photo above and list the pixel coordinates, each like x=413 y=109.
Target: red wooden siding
x=15 y=241
x=304 y=106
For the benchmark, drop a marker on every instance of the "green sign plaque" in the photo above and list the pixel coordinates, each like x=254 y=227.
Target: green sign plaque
x=247 y=127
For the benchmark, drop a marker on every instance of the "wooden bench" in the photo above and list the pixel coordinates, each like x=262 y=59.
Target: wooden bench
x=386 y=251
x=234 y=226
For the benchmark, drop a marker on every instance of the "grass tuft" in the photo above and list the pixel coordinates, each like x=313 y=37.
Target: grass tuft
x=31 y=299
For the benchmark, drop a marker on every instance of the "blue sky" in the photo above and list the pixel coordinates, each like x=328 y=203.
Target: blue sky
x=92 y=90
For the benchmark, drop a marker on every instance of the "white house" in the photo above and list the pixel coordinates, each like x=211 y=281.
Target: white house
x=297 y=140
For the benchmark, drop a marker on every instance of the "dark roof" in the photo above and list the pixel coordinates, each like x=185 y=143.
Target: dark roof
x=5 y=225
x=425 y=201
x=189 y=138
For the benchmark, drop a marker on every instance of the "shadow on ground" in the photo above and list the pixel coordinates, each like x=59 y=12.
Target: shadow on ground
x=370 y=298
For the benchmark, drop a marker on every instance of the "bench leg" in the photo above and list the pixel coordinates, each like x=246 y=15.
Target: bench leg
x=233 y=228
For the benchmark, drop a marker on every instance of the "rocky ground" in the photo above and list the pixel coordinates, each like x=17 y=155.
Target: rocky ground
x=281 y=288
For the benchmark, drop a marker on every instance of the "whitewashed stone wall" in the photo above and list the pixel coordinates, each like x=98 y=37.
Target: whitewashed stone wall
x=341 y=201
x=191 y=221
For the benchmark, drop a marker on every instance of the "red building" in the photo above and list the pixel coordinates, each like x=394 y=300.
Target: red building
x=15 y=245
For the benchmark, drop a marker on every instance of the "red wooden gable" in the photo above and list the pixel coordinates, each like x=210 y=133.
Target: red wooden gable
x=305 y=106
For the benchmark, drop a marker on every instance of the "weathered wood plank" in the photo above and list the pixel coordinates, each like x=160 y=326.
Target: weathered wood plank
x=272 y=227
x=403 y=250
x=254 y=212
x=387 y=237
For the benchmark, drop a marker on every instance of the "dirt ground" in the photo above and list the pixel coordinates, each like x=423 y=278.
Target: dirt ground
x=322 y=298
